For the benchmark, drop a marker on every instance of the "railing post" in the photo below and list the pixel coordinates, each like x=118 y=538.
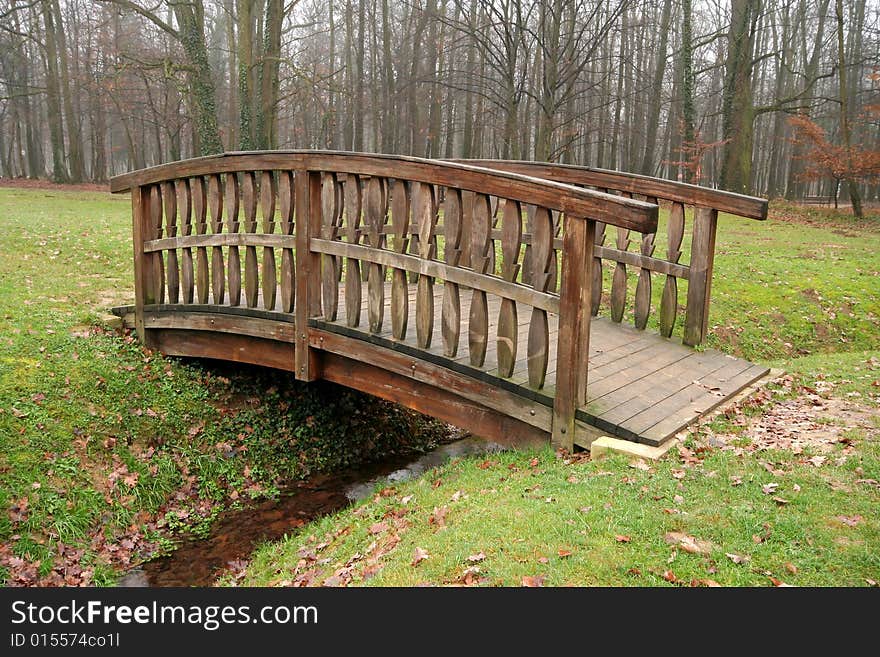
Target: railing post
x=573 y=348
x=308 y=270
x=144 y=268
x=696 y=321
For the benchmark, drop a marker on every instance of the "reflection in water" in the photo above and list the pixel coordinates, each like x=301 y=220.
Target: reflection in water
x=236 y=533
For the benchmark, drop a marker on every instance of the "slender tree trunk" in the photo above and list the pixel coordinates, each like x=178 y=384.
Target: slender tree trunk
x=656 y=94
x=845 y=130
x=53 y=96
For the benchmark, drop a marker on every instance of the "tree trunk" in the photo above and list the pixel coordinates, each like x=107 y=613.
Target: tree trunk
x=845 y=130
x=656 y=94
x=53 y=96
x=737 y=111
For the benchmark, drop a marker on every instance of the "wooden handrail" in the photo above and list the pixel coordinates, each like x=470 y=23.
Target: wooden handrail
x=740 y=205
x=608 y=208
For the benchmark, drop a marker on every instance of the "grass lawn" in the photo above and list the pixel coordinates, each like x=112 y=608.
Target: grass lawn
x=780 y=489
x=108 y=453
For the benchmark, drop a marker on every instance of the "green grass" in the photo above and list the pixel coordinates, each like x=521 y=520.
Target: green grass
x=101 y=441
x=797 y=292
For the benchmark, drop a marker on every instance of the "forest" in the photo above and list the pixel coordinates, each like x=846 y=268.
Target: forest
x=779 y=98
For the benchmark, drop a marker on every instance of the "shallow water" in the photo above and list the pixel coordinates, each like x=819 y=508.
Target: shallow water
x=235 y=534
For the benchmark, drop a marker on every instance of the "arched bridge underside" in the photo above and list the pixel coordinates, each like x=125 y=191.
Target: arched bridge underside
x=518 y=300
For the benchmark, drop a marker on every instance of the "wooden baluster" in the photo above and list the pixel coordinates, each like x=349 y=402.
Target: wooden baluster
x=669 y=300
x=234 y=269
x=696 y=318
x=156 y=233
x=288 y=271
x=494 y=205
x=308 y=268
x=451 y=313
x=643 y=286
x=400 y=209
x=426 y=215
x=478 y=324
x=554 y=254
x=374 y=218
x=251 y=274
x=329 y=275
x=169 y=196
x=267 y=204
x=618 y=281
x=527 y=256
x=184 y=206
x=508 y=326
x=215 y=205
x=467 y=220
x=352 y=265
x=596 y=299
x=200 y=218
x=539 y=331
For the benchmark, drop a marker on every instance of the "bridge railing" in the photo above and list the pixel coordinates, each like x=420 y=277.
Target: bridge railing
x=314 y=234
x=691 y=225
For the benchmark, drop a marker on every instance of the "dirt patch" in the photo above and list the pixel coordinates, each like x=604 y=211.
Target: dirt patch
x=813 y=422
x=29 y=183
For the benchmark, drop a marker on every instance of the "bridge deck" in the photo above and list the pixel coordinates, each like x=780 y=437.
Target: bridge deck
x=641 y=386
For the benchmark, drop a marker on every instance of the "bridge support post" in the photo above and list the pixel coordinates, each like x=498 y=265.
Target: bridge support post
x=308 y=271
x=696 y=320
x=145 y=283
x=573 y=350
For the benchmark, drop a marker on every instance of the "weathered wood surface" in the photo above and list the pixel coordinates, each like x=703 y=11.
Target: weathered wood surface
x=631 y=372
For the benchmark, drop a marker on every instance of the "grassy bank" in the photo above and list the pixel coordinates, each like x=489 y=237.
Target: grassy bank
x=781 y=489
x=107 y=452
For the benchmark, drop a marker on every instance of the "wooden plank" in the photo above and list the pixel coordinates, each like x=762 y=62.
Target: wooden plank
x=352 y=264
x=156 y=231
x=225 y=346
x=200 y=214
x=308 y=267
x=478 y=318
x=215 y=207
x=598 y=243
x=186 y=319
x=418 y=369
x=426 y=216
x=144 y=286
x=573 y=343
x=329 y=274
x=269 y=272
x=400 y=221
x=700 y=405
x=375 y=217
x=431 y=400
x=187 y=275
x=288 y=270
x=696 y=320
x=251 y=270
x=508 y=333
x=232 y=225
x=169 y=197
x=538 y=346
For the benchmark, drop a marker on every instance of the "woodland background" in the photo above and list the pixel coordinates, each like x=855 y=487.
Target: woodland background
x=771 y=97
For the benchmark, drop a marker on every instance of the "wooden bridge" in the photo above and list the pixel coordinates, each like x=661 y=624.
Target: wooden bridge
x=470 y=291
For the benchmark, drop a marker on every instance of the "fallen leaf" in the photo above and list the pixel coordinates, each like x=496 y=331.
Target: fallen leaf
x=639 y=464
x=678 y=499
x=669 y=576
x=563 y=553
x=476 y=558
x=711 y=583
x=737 y=558
x=533 y=581
x=851 y=521
x=688 y=543
x=635 y=572
x=543 y=560
x=572 y=479
x=678 y=474
x=419 y=555
x=736 y=481
x=378 y=527
x=790 y=567
x=406 y=500
x=622 y=538
x=534 y=462
x=778 y=582
x=769 y=488
x=781 y=501
x=438 y=517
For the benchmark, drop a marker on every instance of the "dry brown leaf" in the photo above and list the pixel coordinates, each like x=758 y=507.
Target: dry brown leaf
x=476 y=558
x=533 y=581
x=563 y=553
x=850 y=521
x=688 y=543
x=770 y=488
x=622 y=538
x=669 y=576
x=790 y=567
x=378 y=528
x=710 y=583
x=419 y=555
x=737 y=558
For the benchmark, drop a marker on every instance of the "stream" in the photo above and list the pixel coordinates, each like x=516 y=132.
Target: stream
x=235 y=534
